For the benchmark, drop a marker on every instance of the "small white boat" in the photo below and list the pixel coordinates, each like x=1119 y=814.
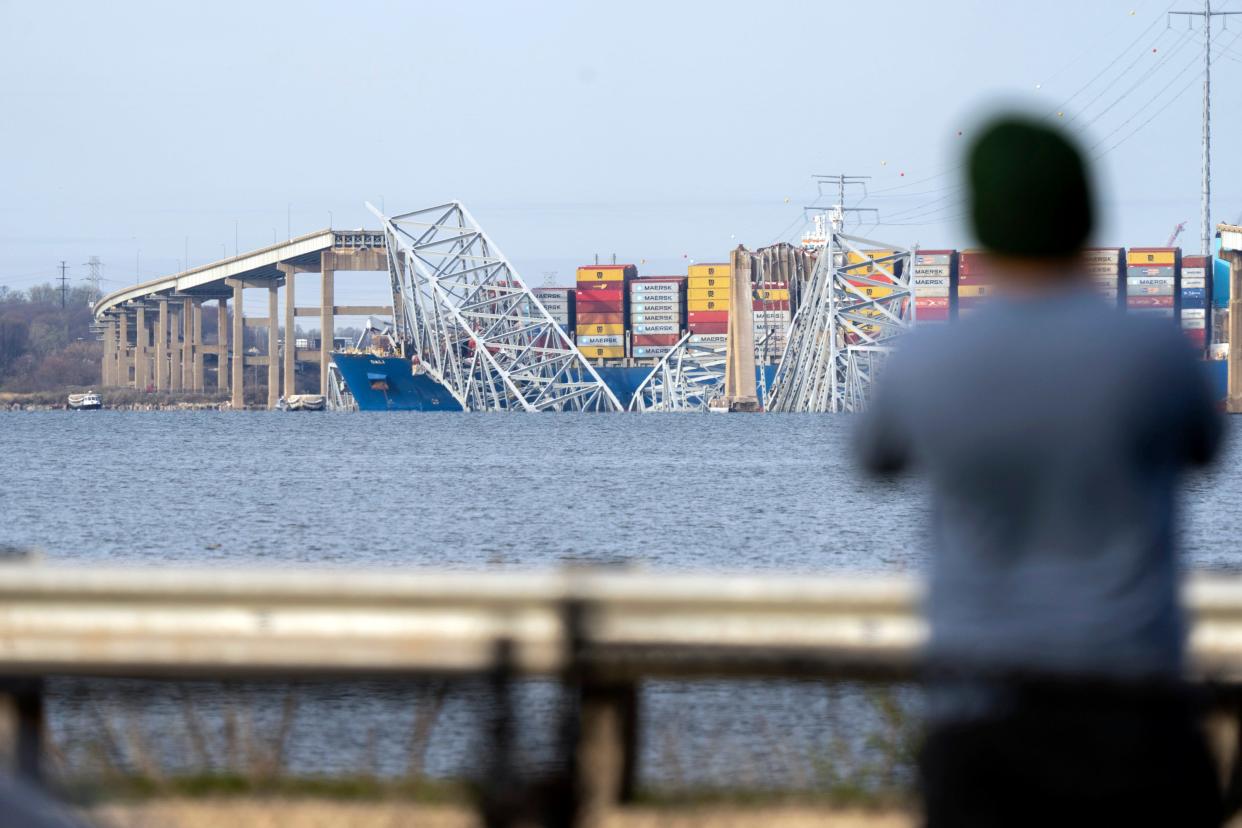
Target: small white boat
x=89 y=401
x=302 y=402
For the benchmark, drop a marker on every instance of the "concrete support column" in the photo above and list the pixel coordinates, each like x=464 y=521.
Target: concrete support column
x=222 y=340
x=291 y=366
x=239 y=348
x=197 y=369
x=273 y=344
x=176 y=323
x=142 y=379
x=122 y=355
x=327 y=320
x=188 y=344
x=1233 y=402
x=108 y=359
x=161 y=348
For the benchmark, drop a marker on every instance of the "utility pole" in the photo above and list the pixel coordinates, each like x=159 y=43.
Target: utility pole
x=64 y=283
x=836 y=215
x=1206 y=206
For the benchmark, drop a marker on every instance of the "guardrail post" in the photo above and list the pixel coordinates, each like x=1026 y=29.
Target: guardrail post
x=21 y=722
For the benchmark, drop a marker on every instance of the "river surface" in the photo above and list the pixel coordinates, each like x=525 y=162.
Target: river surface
x=687 y=492
x=464 y=491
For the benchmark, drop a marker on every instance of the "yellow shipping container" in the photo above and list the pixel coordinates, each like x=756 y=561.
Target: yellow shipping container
x=600 y=352
x=781 y=295
x=707 y=304
x=1149 y=257
x=600 y=330
x=873 y=292
x=974 y=290
x=708 y=282
x=720 y=293
x=605 y=274
x=711 y=269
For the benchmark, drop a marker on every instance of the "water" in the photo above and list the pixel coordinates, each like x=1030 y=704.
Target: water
x=769 y=493
x=774 y=493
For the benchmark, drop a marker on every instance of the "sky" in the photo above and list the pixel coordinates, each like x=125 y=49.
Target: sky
x=151 y=133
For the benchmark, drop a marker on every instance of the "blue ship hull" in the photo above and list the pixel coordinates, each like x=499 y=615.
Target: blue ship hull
x=387 y=383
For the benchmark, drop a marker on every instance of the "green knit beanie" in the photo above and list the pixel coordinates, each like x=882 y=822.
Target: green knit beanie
x=1029 y=194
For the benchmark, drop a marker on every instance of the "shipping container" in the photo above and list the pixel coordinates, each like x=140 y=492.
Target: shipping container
x=709 y=339
x=602 y=351
x=651 y=351
x=709 y=327
x=649 y=318
x=657 y=328
x=606 y=273
x=595 y=329
x=771 y=295
x=655 y=339
x=597 y=296
x=708 y=316
x=656 y=307
x=1195 y=298
x=758 y=304
x=617 y=340
x=700 y=294
x=1137 y=256
x=713 y=269
x=972 y=291
x=699 y=305
x=613 y=318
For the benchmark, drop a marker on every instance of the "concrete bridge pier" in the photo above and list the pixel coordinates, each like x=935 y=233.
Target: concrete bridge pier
x=123 y=359
x=222 y=344
x=187 y=344
x=109 y=353
x=196 y=369
x=273 y=344
x=161 y=346
x=327 y=317
x=174 y=347
x=290 y=354
x=141 y=337
x=239 y=346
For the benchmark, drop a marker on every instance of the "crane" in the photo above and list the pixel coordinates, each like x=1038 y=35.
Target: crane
x=1177 y=231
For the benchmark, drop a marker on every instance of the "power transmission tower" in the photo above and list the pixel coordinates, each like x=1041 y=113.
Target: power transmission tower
x=95 y=277
x=1206 y=207
x=64 y=283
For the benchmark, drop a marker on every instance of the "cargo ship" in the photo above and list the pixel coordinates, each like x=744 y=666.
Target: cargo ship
x=624 y=323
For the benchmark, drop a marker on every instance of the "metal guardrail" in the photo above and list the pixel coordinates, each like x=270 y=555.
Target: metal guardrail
x=598 y=632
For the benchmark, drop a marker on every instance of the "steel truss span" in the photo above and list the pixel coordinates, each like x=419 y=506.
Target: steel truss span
x=840 y=336
x=687 y=378
x=465 y=317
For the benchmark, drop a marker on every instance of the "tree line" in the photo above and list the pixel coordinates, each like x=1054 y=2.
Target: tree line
x=44 y=345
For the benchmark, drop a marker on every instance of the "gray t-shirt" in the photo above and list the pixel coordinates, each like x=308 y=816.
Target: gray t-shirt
x=1052 y=432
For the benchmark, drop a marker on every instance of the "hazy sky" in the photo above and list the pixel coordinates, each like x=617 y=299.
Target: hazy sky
x=655 y=131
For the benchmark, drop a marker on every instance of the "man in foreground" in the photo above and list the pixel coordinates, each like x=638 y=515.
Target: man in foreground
x=1053 y=431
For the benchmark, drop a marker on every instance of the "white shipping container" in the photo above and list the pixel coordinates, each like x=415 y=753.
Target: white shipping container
x=1193 y=282
x=655 y=287
x=1101 y=257
x=658 y=328
x=1193 y=324
x=608 y=341
x=641 y=351
x=655 y=317
x=933 y=259
x=781 y=314
x=655 y=307
x=1194 y=313
x=1193 y=273
x=709 y=339
x=931 y=286
x=1166 y=312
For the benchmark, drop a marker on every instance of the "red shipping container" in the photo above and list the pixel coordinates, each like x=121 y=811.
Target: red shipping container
x=596 y=318
x=709 y=327
x=644 y=279
x=708 y=316
x=595 y=289
x=655 y=339
x=1140 y=301
x=931 y=314
x=601 y=296
x=972 y=264
x=760 y=305
x=921 y=302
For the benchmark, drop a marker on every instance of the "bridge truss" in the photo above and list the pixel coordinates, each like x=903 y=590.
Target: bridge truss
x=860 y=299
x=687 y=378
x=465 y=317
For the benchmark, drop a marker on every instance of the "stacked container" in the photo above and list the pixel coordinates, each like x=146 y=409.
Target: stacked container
x=1196 y=301
x=1104 y=266
x=974 y=281
x=559 y=303
x=600 y=305
x=707 y=303
x=657 y=313
x=1152 y=280
x=772 y=317
x=933 y=286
